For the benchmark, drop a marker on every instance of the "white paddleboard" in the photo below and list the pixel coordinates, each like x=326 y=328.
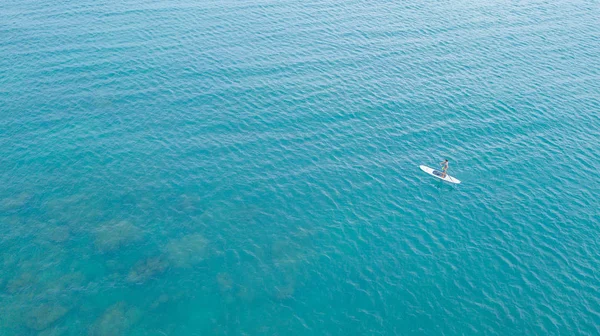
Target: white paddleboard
x=438 y=174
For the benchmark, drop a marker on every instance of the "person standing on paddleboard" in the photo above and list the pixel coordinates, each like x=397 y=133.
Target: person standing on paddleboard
x=444 y=167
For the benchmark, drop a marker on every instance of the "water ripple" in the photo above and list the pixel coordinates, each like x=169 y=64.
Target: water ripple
x=227 y=167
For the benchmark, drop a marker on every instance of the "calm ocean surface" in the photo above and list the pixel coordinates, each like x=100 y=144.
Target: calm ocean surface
x=252 y=167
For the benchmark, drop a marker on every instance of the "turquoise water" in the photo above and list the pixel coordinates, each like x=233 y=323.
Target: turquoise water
x=252 y=167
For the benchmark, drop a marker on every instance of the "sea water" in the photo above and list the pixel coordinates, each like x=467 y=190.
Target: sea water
x=252 y=167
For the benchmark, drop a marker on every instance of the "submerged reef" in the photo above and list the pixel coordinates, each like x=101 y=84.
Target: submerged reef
x=114 y=235
x=16 y=202
x=116 y=320
x=59 y=234
x=45 y=315
x=146 y=270
x=186 y=251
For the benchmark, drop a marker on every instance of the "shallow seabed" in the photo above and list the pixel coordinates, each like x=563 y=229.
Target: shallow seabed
x=252 y=167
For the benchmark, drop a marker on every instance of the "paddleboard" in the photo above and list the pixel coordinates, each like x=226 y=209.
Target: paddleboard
x=438 y=174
